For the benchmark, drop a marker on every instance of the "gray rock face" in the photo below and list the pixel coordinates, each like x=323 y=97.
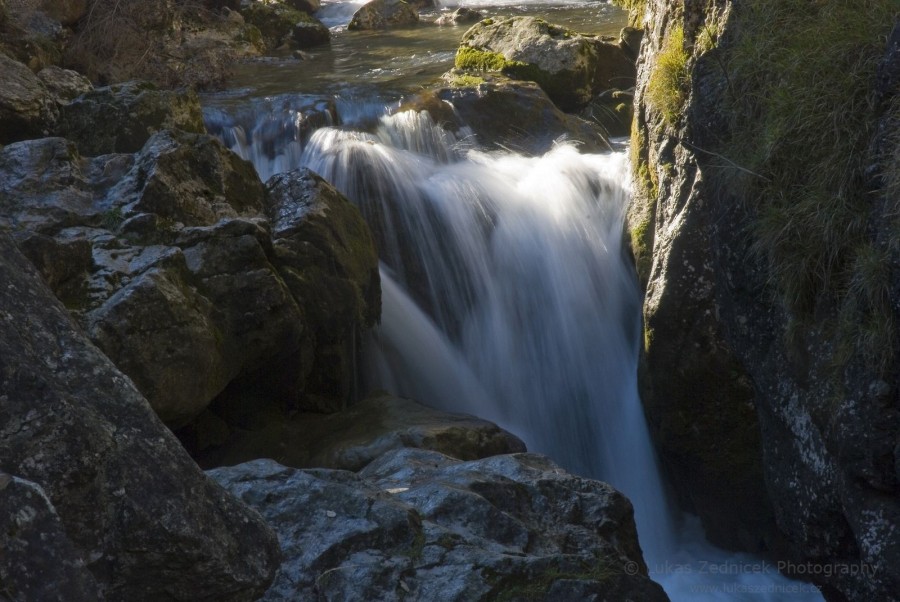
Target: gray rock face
x=143 y=518
x=570 y=67
x=38 y=561
x=27 y=109
x=460 y=16
x=352 y=438
x=506 y=113
x=382 y=14
x=122 y=117
x=170 y=263
x=418 y=525
x=736 y=382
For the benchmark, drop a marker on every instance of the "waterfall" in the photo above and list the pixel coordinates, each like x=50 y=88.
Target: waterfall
x=507 y=294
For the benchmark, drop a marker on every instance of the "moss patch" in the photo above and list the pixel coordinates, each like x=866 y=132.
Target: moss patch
x=666 y=88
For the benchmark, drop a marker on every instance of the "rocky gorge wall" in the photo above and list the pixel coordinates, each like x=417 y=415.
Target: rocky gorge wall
x=764 y=227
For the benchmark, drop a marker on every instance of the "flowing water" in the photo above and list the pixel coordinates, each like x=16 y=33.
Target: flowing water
x=506 y=291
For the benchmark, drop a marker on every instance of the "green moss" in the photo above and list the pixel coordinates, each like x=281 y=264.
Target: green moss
x=466 y=81
x=801 y=77
x=469 y=58
x=666 y=88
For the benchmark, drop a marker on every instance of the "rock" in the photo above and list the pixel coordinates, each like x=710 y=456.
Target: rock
x=281 y=24
x=630 y=41
x=307 y=34
x=505 y=113
x=571 y=67
x=27 y=109
x=352 y=438
x=168 y=259
x=460 y=16
x=64 y=85
x=383 y=14
x=122 y=117
x=67 y=12
x=39 y=562
x=612 y=110
x=419 y=525
x=135 y=507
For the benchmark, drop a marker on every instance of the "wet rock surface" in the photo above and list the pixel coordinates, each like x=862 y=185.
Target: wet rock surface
x=382 y=14
x=416 y=524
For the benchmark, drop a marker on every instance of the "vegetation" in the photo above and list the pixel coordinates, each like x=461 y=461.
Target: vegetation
x=801 y=81
x=668 y=80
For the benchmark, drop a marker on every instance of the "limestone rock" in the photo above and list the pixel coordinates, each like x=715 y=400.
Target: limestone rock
x=506 y=113
x=147 y=523
x=122 y=117
x=419 y=525
x=570 y=67
x=64 y=85
x=352 y=438
x=39 y=561
x=27 y=109
x=382 y=14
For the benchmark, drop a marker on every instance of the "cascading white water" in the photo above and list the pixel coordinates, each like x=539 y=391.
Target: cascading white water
x=507 y=295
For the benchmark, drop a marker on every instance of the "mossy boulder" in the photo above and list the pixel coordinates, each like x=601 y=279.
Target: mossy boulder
x=282 y=24
x=505 y=113
x=572 y=68
x=121 y=118
x=382 y=14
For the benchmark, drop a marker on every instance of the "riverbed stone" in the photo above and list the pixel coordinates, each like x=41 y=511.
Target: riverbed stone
x=460 y=16
x=505 y=113
x=571 y=67
x=416 y=524
x=382 y=14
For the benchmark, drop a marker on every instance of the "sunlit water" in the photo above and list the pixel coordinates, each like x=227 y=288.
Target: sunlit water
x=506 y=292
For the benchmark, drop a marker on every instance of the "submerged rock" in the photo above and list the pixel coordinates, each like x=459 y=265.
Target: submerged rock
x=571 y=67
x=419 y=525
x=144 y=520
x=352 y=438
x=27 y=109
x=382 y=14
x=506 y=113
x=460 y=16
x=122 y=117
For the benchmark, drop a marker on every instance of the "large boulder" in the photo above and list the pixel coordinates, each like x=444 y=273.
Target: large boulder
x=122 y=117
x=64 y=85
x=419 y=525
x=383 y=14
x=168 y=259
x=352 y=438
x=39 y=561
x=505 y=113
x=572 y=68
x=27 y=109
x=145 y=521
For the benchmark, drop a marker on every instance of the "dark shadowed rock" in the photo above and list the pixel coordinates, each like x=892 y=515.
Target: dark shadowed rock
x=122 y=117
x=419 y=525
x=383 y=14
x=147 y=523
x=283 y=23
x=506 y=113
x=27 y=109
x=570 y=67
x=67 y=12
x=352 y=438
x=38 y=561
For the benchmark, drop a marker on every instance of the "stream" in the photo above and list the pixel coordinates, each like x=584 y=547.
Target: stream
x=506 y=290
